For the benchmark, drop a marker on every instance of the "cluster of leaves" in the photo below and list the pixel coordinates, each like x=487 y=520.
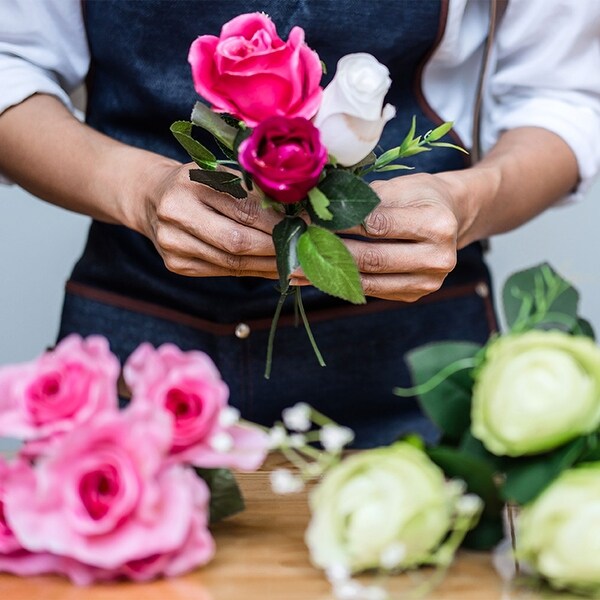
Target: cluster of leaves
x=536 y=298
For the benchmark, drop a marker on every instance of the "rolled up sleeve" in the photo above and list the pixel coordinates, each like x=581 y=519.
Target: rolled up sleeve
x=547 y=74
x=43 y=49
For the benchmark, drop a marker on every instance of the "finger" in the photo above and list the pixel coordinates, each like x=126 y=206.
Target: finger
x=177 y=245
x=401 y=287
x=401 y=257
x=246 y=211
x=219 y=231
x=195 y=267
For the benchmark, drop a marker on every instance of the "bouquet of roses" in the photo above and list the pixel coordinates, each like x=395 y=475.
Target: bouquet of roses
x=520 y=424
x=97 y=493
x=304 y=149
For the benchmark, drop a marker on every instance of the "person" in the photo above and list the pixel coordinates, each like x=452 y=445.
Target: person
x=169 y=260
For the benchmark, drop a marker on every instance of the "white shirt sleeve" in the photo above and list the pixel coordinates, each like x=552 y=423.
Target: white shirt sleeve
x=544 y=72
x=43 y=49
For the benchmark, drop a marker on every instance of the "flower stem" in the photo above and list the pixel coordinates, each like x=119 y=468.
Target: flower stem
x=437 y=379
x=298 y=298
x=282 y=298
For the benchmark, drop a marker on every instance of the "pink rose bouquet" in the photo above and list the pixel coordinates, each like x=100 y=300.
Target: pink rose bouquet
x=306 y=150
x=99 y=494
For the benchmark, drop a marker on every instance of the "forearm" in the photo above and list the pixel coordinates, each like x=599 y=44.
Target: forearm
x=527 y=171
x=50 y=153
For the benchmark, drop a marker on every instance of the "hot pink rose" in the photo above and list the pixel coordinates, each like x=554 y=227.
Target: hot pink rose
x=189 y=387
x=59 y=391
x=285 y=158
x=105 y=498
x=252 y=74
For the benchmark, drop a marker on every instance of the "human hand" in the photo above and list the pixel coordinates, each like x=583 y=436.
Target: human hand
x=200 y=232
x=412 y=239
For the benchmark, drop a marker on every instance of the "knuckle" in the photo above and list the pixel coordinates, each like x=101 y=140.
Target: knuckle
x=165 y=239
x=165 y=209
x=379 y=224
x=173 y=263
x=444 y=229
x=247 y=212
x=430 y=285
x=446 y=261
x=371 y=260
x=238 y=241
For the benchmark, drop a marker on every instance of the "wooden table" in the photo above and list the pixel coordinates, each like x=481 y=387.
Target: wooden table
x=261 y=556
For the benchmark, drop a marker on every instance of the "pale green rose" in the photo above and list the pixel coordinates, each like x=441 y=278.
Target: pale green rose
x=558 y=534
x=378 y=500
x=536 y=391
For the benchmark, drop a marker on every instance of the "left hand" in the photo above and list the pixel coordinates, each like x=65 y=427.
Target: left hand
x=414 y=233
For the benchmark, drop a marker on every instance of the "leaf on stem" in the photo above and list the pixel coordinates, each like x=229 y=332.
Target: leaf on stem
x=204 y=117
x=329 y=265
x=225 y=497
x=203 y=157
x=319 y=203
x=350 y=200
x=285 y=238
x=222 y=181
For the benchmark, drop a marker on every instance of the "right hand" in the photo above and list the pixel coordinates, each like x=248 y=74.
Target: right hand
x=200 y=232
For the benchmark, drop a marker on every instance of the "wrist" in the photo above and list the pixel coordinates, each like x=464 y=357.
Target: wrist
x=472 y=191
x=140 y=184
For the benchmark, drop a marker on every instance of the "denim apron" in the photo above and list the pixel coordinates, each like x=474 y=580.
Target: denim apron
x=139 y=83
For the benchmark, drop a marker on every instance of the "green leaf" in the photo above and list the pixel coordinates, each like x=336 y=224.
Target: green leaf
x=439 y=132
x=476 y=472
x=222 y=181
x=584 y=327
x=350 y=200
x=203 y=157
x=539 y=297
x=225 y=497
x=319 y=203
x=329 y=265
x=448 y=404
x=204 y=117
x=488 y=532
x=366 y=161
x=240 y=136
x=448 y=145
x=285 y=238
x=393 y=168
x=527 y=477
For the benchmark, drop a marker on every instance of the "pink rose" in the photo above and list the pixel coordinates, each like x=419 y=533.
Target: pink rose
x=285 y=158
x=252 y=74
x=189 y=387
x=61 y=390
x=105 y=498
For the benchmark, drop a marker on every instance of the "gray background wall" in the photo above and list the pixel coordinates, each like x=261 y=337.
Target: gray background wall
x=39 y=243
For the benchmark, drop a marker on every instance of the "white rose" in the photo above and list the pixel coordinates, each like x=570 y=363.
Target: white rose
x=379 y=499
x=557 y=534
x=535 y=392
x=351 y=116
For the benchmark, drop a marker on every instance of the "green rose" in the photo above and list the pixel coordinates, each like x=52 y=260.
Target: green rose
x=557 y=534
x=536 y=391
x=377 y=500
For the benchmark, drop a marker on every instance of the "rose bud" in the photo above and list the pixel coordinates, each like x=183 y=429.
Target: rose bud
x=285 y=158
x=352 y=116
x=557 y=534
x=535 y=392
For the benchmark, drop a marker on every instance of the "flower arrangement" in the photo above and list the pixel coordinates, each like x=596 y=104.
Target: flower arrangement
x=97 y=493
x=305 y=150
x=520 y=422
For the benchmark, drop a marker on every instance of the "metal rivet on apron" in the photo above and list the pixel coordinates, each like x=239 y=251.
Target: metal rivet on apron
x=482 y=290
x=242 y=331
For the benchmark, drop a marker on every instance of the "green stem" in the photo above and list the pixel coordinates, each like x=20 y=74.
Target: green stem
x=437 y=379
x=298 y=297
x=282 y=298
